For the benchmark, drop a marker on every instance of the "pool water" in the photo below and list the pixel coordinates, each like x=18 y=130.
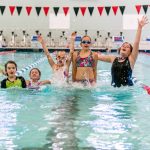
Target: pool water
x=75 y=118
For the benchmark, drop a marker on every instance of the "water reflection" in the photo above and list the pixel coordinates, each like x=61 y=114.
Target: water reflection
x=64 y=123
x=114 y=121
x=76 y=119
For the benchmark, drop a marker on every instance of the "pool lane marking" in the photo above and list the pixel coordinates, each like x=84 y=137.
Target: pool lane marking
x=144 y=86
x=7 y=52
x=18 y=73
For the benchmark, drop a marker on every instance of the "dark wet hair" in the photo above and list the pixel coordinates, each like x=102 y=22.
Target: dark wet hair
x=35 y=69
x=10 y=62
x=131 y=47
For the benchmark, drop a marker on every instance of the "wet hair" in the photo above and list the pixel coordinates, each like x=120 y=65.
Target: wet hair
x=86 y=36
x=37 y=70
x=131 y=47
x=10 y=62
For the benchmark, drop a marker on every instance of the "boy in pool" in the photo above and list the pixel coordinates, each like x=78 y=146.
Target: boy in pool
x=12 y=80
x=34 y=82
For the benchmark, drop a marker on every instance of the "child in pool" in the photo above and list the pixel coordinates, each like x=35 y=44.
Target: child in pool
x=122 y=66
x=84 y=62
x=60 y=56
x=34 y=82
x=12 y=80
x=61 y=66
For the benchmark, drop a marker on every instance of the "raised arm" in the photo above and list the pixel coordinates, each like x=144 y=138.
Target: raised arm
x=70 y=55
x=135 y=51
x=50 y=59
x=71 y=47
x=72 y=40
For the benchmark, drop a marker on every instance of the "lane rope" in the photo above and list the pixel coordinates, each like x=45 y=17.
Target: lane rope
x=23 y=70
x=144 y=86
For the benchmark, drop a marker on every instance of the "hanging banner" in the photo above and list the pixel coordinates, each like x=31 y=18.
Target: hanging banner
x=65 y=9
x=28 y=9
x=46 y=9
x=107 y=9
x=145 y=8
x=138 y=8
x=122 y=8
x=19 y=8
x=91 y=10
x=100 y=10
x=38 y=10
x=115 y=8
x=56 y=9
x=76 y=10
x=12 y=9
x=83 y=9
x=2 y=9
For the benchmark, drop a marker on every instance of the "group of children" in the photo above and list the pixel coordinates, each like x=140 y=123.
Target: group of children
x=84 y=64
x=18 y=81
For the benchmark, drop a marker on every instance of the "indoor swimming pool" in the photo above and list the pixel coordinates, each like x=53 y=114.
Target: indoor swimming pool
x=66 y=117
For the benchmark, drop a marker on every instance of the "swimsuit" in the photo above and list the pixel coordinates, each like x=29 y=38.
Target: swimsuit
x=121 y=73
x=33 y=85
x=85 y=62
x=19 y=82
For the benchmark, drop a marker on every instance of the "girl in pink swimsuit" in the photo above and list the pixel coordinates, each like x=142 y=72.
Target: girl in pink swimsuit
x=34 y=82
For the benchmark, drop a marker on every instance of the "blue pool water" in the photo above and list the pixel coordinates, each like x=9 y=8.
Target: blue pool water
x=75 y=118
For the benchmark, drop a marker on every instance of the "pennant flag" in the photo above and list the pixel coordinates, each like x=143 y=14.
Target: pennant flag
x=115 y=8
x=100 y=9
x=46 y=9
x=2 y=9
x=107 y=10
x=138 y=8
x=91 y=10
x=65 y=9
x=12 y=9
x=19 y=8
x=28 y=9
x=38 y=10
x=122 y=8
x=56 y=9
x=76 y=10
x=145 y=7
x=83 y=9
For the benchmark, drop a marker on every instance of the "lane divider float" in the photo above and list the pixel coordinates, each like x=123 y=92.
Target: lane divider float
x=23 y=70
x=144 y=86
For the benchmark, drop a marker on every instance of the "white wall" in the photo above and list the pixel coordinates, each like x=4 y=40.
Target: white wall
x=93 y=23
